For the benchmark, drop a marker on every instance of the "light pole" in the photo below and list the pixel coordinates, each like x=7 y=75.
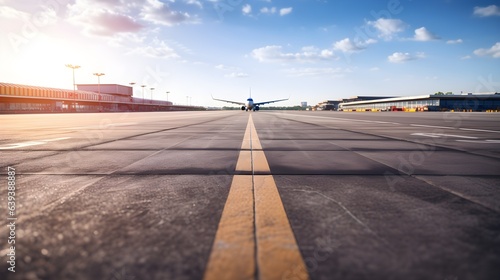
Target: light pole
x=143 y=86
x=132 y=97
x=187 y=100
x=152 y=107
x=73 y=67
x=99 y=87
x=99 y=82
x=167 y=95
x=132 y=85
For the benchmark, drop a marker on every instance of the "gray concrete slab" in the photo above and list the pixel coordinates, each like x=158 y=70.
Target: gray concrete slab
x=185 y=162
x=482 y=190
x=355 y=227
x=323 y=162
x=155 y=227
x=437 y=162
x=368 y=196
x=300 y=145
x=83 y=162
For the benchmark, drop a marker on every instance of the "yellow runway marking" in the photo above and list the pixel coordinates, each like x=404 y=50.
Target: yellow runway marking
x=260 y=164
x=278 y=255
x=244 y=161
x=233 y=252
x=254 y=239
x=251 y=140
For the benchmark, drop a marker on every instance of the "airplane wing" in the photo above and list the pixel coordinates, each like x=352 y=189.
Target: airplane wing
x=229 y=101
x=266 y=102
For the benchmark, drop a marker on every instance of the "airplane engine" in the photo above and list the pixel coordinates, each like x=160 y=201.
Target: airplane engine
x=256 y=108
x=243 y=108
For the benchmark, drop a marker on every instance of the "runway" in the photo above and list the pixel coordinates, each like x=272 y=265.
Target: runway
x=261 y=195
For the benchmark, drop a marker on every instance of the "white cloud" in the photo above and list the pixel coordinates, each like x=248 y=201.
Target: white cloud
x=235 y=71
x=266 y=10
x=126 y=39
x=285 y=11
x=11 y=13
x=156 y=49
x=375 y=69
x=316 y=72
x=308 y=54
x=116 y=6
x=466 y=57
x=492 y=10
x=180 y=47
x=112 y=17
x=348 y=46
x=309 y=49
x=388 y=27
x=226 y=68
x=106 y=23
x=424 y=35
x=247 y=9
x=103 y=18
x=236 y=75
x=159 y=13
x=221 y=67
x=494 y=51
x=195 y=3
x=457 y=41
x=116 y=23
x=399 y=57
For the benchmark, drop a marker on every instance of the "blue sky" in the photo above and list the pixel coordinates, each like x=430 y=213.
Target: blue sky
x=310 y=50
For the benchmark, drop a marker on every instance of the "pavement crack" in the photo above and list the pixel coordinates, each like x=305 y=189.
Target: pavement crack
x=492 y=207
x=256 y=247
x=53 y=204
x=356 y=219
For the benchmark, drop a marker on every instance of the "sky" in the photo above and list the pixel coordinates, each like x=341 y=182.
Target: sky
x=308 y=50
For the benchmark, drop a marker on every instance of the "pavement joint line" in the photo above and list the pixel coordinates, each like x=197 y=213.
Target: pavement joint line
x=275 y=253
x=493 y=207
x=381 y=122
x=39 y=142
x=150 y=133
x=31 y=143
x=48 y=207
x=383 y=137
x=414 y=175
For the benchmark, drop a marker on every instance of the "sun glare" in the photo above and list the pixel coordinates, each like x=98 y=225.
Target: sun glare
x=42 y=60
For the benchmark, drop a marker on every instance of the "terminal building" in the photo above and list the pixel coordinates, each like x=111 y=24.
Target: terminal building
x=15 y=98
x=334 y=105
x=328 y=105
x=471 y=102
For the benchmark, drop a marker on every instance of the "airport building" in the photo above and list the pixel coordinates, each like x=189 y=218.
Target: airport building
x=334 y=105
x=471 y=102
x=328 y=105
x=15 y=98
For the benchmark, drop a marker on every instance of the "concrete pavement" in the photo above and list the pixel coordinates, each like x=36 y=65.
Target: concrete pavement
x=141 y=195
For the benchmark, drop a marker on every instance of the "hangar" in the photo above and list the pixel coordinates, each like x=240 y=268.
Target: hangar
x=471 y=102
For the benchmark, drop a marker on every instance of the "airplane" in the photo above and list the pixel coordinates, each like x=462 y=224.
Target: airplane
x=249 y=105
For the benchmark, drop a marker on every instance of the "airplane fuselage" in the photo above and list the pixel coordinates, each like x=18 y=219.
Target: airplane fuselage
x=249 y=105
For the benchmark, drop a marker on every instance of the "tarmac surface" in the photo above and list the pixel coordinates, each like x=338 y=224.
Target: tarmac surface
x=193 y=195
